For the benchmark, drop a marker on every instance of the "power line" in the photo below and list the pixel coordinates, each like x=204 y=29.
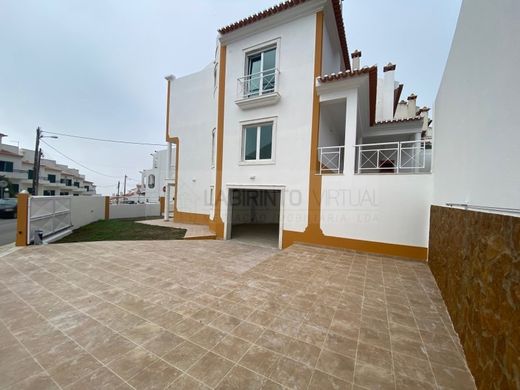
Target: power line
x=80 y=164
x=105 y=139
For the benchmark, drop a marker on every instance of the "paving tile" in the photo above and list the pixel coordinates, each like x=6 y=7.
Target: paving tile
x=18 y=371
x=75 y=367
x=240 y=378
x=158 y=375
x=186 y=382
x=210 y=369
x=142 y=332
x=342 y=345
x=336 y=365
x=453 y=378
x=129 y=364
x=260 y=360
x=292 y=374
x=232 y=348
x=417 y=369
x=184 y=355
x=207 y=337
x=378 y=357
x=322 y=381
x=36 y=382
x=248 y=331
x=374 y=377
x=102 y=379
x=312 y=334
x=225 y=323
x=302 y=352
x=163 y=343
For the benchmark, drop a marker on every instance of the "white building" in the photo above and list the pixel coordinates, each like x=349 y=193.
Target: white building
x=17 y=165
x=155 y=179
x=286 y=135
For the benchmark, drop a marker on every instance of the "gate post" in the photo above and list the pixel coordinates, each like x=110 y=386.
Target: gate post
x=107 y=208
x=22 y=210
x=161 y=205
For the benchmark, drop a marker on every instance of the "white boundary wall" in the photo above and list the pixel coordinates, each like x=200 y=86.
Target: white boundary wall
x=86 y=209
x=134 y=210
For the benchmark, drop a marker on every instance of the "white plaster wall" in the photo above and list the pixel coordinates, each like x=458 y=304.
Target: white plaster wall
x=134 y=210
x=86 y=209
x=476 y=132
x=383 y=208
x=160 y=173
x=192 y=118
x=293 y=118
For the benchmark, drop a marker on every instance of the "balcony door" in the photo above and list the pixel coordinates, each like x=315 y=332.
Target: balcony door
x=261 y=72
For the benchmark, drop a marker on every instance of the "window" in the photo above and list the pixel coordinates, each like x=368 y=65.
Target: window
x=68 y=182
x=76 y=184
x=258 y=142
x=49 y=193
x=213 y=146
x=64 y=193
x=6 y=166
x=30 y=174
x=151 y=181
x=261 y=72
x=51 y=178
x=87 y=188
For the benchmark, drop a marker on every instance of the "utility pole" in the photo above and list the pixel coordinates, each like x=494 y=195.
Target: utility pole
x=124 y=188
x=36 y=166
x=118 y=185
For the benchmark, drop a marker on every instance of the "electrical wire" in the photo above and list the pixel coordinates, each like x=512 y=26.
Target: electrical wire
x=80 y=164
x=104 y=139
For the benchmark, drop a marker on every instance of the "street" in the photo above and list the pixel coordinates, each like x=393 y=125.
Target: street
x=7 y=231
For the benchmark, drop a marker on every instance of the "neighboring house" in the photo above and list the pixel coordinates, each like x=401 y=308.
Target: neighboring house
x=287 y=135
x=17 y=164
x=155 y=179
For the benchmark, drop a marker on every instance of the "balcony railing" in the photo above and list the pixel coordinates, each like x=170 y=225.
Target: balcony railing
x=394 y=157
x=331 y=159
x=258 y=84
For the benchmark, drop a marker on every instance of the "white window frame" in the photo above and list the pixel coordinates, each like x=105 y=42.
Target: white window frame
x=211 y=195
x=213 y=146
x=259 y=48
x=258 y=123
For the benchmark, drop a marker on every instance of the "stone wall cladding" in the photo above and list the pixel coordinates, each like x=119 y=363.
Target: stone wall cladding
x=475 y=259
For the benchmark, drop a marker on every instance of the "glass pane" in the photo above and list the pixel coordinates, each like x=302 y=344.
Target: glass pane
x=266 y=141
x=250 y=143
x=253 y=82
x=268 y=78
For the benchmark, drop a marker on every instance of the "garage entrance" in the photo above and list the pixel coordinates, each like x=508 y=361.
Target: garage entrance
x=255 y=216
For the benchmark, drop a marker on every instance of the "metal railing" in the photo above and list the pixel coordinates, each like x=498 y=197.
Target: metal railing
x=258 y=84
x=331 y=159
x=393 y=157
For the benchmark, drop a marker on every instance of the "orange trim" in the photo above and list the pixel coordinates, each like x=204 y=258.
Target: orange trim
x=22 y=209
x=168 y=92
x=217 y=225
x=193 y=218
x=314 y=208
x=406 y=251
x=107 y=208
x=161 y=205
x=175 y=141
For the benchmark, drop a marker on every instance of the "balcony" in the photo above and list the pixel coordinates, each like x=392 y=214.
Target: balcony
x=331 y=159
x=258 y=89
x=394 y=157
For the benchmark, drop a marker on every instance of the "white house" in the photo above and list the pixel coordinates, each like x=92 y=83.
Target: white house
x=287 y=135
x=17 y=165
x=155 y=179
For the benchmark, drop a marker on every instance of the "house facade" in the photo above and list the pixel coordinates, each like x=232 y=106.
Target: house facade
x=154 y=180
x=286 y=134
x=17 y=166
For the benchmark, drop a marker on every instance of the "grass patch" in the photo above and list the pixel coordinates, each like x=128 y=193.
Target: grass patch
x=122 y=230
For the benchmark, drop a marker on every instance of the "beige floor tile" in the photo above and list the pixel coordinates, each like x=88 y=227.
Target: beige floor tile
x=336 y=365
x=186 y=382
x=184 y=355
x=102 y=379
x=322 y=381
x=248 y=331
x=292 y=374
x=413 y=368
x=378 y=357
x=18 y=371
x=36 y=382
x=163 y=343
x=158 y=375
x=210 y=369
x=232 y=348
x=225 y=323
x=143 y=332
x=72 y=369
x=342 y=345
x=374 y=377
x=129 y=364
x=453 y=378
x=207 y=337
x=259 y=360
x=240 y=378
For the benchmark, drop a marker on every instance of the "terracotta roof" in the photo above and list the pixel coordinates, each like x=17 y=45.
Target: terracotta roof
x=336 y=5
x=415 y=118
x=372 y=84
x=346 y=74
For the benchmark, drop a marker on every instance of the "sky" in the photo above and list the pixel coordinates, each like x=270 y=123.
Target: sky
x=96 y=67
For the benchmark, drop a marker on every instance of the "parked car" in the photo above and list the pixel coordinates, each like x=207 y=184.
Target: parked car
x=8 y=208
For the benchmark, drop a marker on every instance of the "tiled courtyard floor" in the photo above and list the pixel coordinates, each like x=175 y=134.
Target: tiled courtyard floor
x=213 y=314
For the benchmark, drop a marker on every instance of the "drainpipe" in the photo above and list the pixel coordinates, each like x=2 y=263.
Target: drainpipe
x=168 y=180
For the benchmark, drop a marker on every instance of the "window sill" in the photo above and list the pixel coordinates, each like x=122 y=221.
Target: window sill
x=256 y=162
x=258 y=101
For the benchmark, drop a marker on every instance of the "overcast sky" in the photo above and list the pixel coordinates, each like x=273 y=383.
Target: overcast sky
x=97 y=67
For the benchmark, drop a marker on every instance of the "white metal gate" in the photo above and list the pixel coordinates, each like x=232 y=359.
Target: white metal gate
x=50 y=214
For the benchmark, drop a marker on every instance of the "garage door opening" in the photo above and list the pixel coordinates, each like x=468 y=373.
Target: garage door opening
x=255 y=216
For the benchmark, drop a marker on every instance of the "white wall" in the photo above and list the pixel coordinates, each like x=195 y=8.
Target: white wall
x=86 y=209
x=476 y=131
x=292 y=114
x=134 y=210
x=192 y=119
x=384 y=208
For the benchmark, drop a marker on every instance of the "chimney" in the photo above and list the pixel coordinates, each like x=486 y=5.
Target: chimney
x=402 y=110
x=412 y=106
x=423 y=113
x=388 y=91
x=356 y=60
x=2 y=135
